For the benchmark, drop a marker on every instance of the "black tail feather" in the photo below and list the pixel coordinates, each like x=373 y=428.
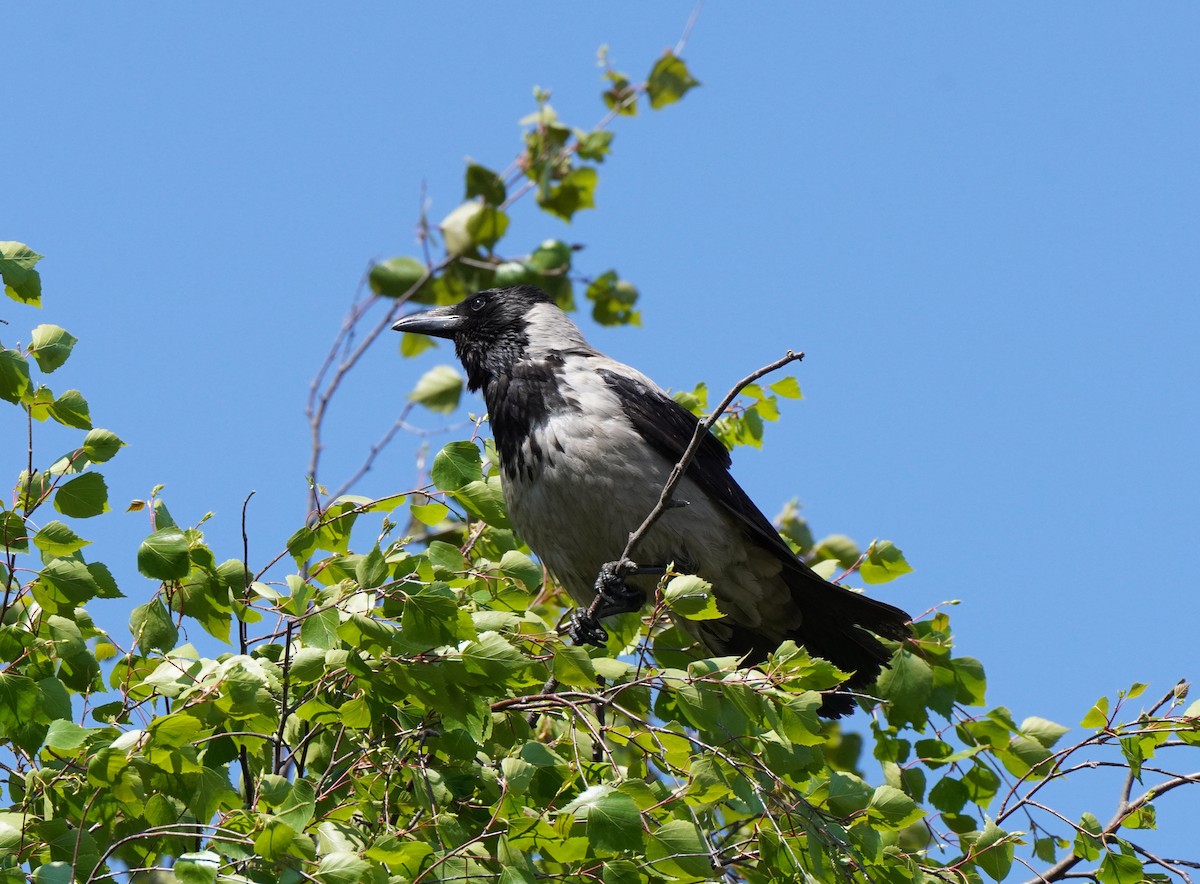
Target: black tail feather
x=840 y=626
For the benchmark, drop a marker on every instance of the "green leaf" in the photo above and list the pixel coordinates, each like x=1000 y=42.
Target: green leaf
x=677 y=848
x=197 y=868
x=788 y=388
x=691 y=597
x=273 y=841
x=483 y=182
x=948 y=795
x=669 y=81
x=319 y=629
x=552 y=256
x=21 y=282
x=613 y=822
x=430 y=616
x=429 y=514
x=893 y=808
x=70 y=580
x=487 y=226
x=594 y=145
x=573 y=667
x=491 y=655
x=573 y=192
x=515 y=565
x=71 y=410
x=908 y=685
x=66 y=735
x=837 y=547
x=14 y=536
x=1087 y=838
x=56 y=539
x=106 y=586
x=395 y=277
x=884 y=562
x=484 y=500
x=343 y=867
x=101 y=445
x=970 y=683
x=164 y=555
x=152 y=628
x=456 y=465
x=1045 y=732
x=18 y=701
x=993 y=852
x=371 y=571
x=82 y=497
x=438 y=389
x=411 y=345
x=56 y=872
x=612 y=300
x=14 y=376
x=298 y=809
x=1097 y=716
x=50 y=346
x=457 y=233
x=621 y=96
x=1120 y=868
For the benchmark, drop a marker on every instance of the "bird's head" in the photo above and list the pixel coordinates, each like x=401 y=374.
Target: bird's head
x=495 y=328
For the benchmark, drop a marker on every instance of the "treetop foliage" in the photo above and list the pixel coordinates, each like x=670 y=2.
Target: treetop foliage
x=378 y=709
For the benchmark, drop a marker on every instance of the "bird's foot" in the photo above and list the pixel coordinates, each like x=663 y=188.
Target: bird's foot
x=613 y=596
x=585 y=629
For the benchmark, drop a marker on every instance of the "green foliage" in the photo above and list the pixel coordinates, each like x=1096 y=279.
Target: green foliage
x=404 y=709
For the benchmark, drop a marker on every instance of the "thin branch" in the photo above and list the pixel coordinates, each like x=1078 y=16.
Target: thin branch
x=1059 y=870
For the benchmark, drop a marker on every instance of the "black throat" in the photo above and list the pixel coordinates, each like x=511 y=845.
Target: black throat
x=520 y=403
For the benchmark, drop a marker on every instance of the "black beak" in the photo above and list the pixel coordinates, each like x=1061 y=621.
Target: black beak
x=440 y=322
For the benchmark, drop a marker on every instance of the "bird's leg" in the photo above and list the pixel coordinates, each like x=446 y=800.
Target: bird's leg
x=613 y=596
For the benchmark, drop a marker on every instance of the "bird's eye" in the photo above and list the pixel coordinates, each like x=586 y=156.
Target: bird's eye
x=477 y=303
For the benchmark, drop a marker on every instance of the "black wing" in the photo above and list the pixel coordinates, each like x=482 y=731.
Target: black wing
x=669 y=428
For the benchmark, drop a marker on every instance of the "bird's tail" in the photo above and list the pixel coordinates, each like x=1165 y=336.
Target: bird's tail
x=839 y=625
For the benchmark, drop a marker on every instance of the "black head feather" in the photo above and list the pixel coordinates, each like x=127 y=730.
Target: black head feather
x=489 y=329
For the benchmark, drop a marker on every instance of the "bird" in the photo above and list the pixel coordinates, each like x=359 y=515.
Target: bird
x=586 y=444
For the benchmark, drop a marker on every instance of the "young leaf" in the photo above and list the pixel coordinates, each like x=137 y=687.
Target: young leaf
x=396 y=276
x=50 y=346
x=429 y=514
x=692 y=597
x=56 y=539
x=21 y=282
x=101 y=445
x=669 y=81
x=483 y=182
x=14 y=536
x=884 y=562
x=14 y=376
x=576 y=190
x=438 y=389
x=71 y=410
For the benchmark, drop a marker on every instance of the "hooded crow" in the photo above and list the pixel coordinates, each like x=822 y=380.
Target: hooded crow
x=586 y=444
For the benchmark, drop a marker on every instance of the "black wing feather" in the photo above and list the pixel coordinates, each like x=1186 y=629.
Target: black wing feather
x=669 y=428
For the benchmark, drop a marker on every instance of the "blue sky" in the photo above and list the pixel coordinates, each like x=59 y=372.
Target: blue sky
x=979 y=222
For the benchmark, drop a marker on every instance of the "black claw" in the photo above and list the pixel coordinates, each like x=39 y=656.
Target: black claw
x=585 y=629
